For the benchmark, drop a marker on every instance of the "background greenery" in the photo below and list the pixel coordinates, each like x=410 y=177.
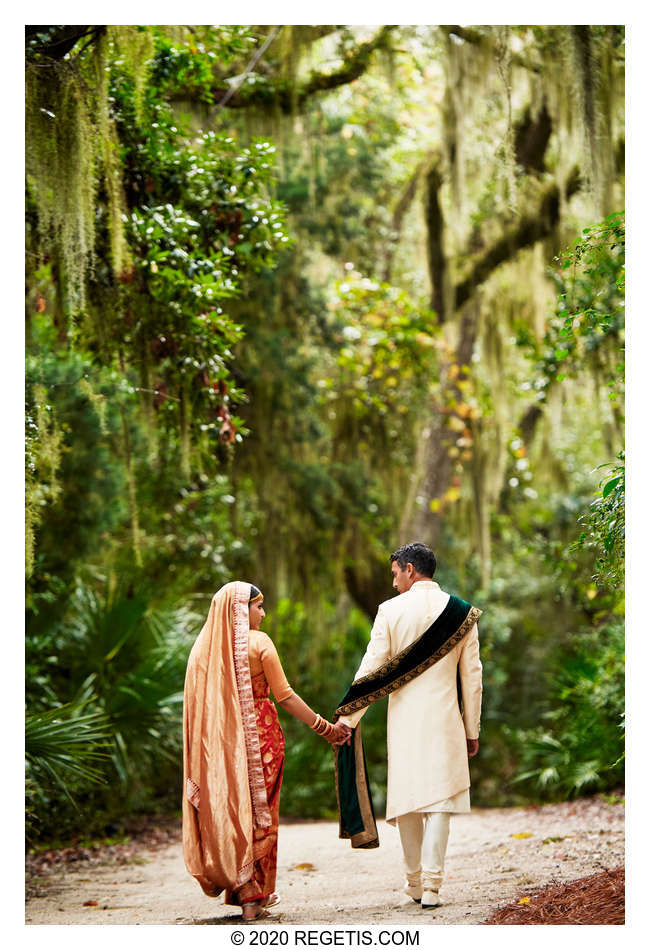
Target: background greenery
x=296 y=295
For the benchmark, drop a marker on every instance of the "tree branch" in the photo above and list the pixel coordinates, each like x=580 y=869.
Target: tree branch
x=435 y=250
x=281 y=94
x=56 y=42
x=529 y=230
x=404 y=202
x=482 y=39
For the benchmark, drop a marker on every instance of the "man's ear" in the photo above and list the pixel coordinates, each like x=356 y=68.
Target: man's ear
x=410 y=570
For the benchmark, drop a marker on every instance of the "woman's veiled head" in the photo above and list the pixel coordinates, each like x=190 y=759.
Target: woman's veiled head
x=256 y=612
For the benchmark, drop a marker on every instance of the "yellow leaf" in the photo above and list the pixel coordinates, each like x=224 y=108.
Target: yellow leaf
x=523 y=834
x=306 y=866
x=525 y=900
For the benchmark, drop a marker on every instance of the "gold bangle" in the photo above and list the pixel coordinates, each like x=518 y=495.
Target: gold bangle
x=316 y=724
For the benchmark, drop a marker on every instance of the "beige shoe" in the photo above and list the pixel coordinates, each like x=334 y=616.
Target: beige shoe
x=430 y=899
x=413 y=887
x=414 y=891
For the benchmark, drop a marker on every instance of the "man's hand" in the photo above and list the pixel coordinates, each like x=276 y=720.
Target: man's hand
x=341 y=734
x=472 y=747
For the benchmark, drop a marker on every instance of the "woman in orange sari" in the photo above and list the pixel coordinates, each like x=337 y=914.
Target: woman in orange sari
x=233 y=752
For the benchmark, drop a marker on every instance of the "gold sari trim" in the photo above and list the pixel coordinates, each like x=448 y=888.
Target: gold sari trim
x=261 y=813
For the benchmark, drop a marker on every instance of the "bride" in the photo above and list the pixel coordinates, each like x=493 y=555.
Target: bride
x=233 y=752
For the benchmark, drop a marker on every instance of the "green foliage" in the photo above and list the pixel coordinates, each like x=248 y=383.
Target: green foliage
x=605 y=527
x=188 y=63
x=581 y=750
x=64 y=742
x=117 y=661
x=42 y=460
x=586 y=331
x=65 y=748
x=89 y=477
x=232 y=369
x=386 y=360
x=60 y=156
x=130 y=654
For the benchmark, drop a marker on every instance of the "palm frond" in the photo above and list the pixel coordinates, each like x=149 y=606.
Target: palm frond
x=64 y=745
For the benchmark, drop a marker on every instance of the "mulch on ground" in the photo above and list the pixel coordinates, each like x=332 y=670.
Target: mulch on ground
x=597 y=899
x=147 y=833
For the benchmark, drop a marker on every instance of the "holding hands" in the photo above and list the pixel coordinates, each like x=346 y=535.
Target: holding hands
x=341 y=735
x=335 y=733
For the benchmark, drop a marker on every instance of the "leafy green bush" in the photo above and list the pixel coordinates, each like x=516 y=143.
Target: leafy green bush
x=64 y=749
x=581 y=749
x=119 y=655
x=605 y=526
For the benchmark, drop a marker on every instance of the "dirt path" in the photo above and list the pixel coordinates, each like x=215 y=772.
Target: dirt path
x=494 y=855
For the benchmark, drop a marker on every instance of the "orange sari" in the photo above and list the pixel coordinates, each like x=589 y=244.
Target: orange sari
x=233 y=759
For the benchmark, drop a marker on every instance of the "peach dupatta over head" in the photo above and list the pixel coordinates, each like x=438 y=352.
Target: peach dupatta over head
x=224 y=796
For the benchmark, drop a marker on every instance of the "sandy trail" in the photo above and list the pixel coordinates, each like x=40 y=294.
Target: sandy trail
x=494 y=855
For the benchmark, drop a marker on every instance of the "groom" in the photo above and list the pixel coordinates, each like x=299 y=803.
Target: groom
x=423 y=646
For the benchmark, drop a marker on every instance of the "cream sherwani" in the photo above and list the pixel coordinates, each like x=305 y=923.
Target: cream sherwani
x=428 y=768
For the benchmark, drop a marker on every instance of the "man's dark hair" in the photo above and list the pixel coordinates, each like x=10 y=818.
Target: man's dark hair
x=419 y=555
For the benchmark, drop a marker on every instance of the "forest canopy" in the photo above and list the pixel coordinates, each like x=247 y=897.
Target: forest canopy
x=296 y=295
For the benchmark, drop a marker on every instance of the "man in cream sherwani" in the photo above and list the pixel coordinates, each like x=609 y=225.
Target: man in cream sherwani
x=428 y=741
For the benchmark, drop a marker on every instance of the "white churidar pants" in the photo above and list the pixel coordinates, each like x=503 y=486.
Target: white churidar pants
x=424 y=844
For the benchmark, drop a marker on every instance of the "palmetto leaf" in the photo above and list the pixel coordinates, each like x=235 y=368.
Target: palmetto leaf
x=63 y=745
x=130 y=653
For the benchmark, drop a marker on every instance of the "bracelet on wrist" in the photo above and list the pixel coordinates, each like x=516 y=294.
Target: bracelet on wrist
x=322 y=727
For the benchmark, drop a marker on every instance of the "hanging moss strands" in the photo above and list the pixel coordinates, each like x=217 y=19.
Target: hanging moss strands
x=111 y=166
x=71 y=142
x=504 y=67
x=134 y=46
x=43 y=439
x=60 y=156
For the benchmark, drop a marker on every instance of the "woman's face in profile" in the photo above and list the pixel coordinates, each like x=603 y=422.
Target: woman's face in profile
x=256 y=614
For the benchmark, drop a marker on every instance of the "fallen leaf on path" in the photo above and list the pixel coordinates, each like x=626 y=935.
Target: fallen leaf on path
x=306 y=866
x=525 y=900
x=523 y=834
x=90 y=903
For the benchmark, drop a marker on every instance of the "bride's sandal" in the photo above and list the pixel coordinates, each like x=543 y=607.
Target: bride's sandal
x=271 y=900
x=259 y=913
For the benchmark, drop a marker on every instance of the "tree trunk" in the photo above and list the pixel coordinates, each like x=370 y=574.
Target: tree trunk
x=440 y=437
